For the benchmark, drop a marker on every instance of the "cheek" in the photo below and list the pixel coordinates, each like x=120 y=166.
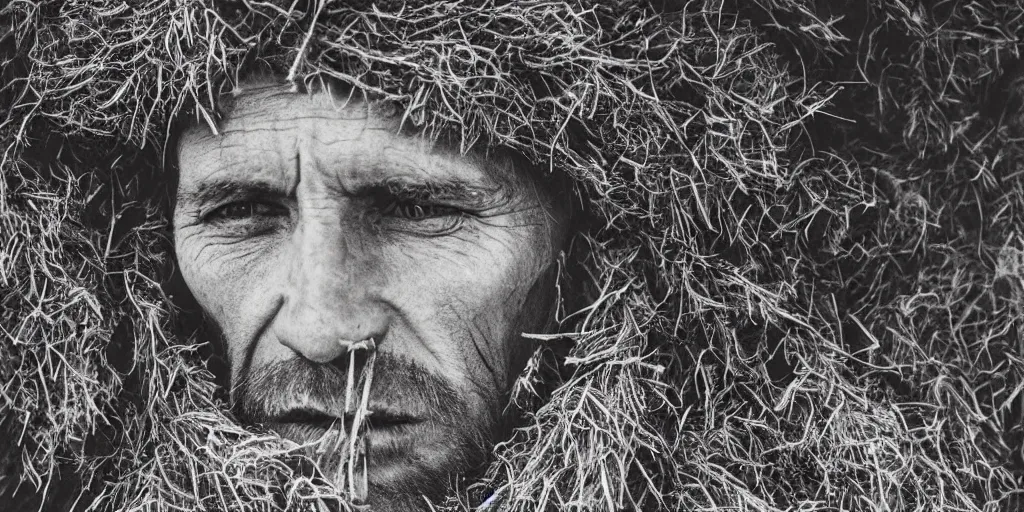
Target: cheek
x=470 y=296
x=223 y=277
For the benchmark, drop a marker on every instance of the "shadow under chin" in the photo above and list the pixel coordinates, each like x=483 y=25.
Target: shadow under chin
x=402 y=484
x=417 y=492
x=390 y=499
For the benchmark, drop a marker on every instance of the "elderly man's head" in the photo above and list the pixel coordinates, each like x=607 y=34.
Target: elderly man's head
x=311 y=222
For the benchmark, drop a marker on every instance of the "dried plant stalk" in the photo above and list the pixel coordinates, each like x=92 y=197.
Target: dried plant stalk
x=357 y=462
x=343 y=451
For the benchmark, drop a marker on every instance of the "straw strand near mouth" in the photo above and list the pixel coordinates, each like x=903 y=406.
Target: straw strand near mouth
x=351 y=474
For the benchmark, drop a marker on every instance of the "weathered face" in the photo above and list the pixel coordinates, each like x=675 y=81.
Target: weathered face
x=309 y=223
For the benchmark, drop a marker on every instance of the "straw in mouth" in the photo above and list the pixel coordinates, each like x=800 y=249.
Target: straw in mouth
x=349 y=437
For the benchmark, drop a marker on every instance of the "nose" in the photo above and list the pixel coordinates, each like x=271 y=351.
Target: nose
x=330 y=298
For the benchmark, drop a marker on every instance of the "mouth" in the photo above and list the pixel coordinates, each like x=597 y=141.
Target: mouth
x=380 y=418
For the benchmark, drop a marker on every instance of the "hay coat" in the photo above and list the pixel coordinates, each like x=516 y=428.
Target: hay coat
x=800 y=257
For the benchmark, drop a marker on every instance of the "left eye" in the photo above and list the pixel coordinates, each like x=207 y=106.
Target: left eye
x=413 y=211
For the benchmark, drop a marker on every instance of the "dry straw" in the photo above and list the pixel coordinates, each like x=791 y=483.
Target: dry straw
x=783 y=294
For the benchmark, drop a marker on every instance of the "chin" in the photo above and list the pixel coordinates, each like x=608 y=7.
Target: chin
x=410 y=467
x=407 y=465
x=385 y=499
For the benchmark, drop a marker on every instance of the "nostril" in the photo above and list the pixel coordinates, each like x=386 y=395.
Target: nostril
x=344 y=361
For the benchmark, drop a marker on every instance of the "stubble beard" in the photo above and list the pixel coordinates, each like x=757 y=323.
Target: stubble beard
x=401 y=383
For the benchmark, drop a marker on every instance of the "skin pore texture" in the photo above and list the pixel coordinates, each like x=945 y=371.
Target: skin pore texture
x=311 y=221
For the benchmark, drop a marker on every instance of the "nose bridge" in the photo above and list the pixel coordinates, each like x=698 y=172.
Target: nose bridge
x=328 y=294
x=321 y=272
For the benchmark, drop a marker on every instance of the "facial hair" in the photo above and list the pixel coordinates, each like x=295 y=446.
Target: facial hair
x=400 y=385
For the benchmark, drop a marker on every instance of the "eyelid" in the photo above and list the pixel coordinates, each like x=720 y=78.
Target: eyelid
x=422 y=207
x=210 y=214
x=389 y=208
x=426 y=227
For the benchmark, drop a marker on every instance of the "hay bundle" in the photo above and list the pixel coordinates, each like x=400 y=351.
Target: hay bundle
x=802 y=261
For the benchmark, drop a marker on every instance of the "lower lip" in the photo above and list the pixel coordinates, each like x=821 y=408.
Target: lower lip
x=390 y=444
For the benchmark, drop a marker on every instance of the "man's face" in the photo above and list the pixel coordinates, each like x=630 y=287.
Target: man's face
x=309 y=223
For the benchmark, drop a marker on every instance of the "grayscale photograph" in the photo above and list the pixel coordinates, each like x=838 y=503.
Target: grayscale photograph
x=511 y=255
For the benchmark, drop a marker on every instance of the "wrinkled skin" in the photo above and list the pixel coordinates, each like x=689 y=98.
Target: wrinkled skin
x=310 y=222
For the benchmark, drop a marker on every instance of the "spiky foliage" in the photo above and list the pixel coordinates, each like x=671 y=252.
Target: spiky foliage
x=801 y=263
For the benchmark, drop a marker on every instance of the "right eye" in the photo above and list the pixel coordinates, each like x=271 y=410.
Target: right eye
x=241 y=210
x=248 y=217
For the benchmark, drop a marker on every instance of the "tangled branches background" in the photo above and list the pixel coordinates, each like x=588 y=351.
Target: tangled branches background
x=802 y=259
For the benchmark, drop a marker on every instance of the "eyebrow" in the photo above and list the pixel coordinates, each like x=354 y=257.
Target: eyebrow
x=222 y=190
x=452 y=190
x=441 y=190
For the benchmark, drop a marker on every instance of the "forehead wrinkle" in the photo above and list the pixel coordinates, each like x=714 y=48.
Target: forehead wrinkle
x=267 y=119
x=235 y=128
x=225 y=163
x=438 y=165
x=385 y=151
x=316 y=134
x=229 y=138
x=293 y=118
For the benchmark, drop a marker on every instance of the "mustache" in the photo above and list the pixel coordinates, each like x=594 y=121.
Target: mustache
x=399 y=386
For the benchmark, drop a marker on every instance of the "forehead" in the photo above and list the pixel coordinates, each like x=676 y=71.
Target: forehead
x=268 y=130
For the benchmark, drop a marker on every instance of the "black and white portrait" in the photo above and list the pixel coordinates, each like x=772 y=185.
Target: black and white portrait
x=516 y=255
